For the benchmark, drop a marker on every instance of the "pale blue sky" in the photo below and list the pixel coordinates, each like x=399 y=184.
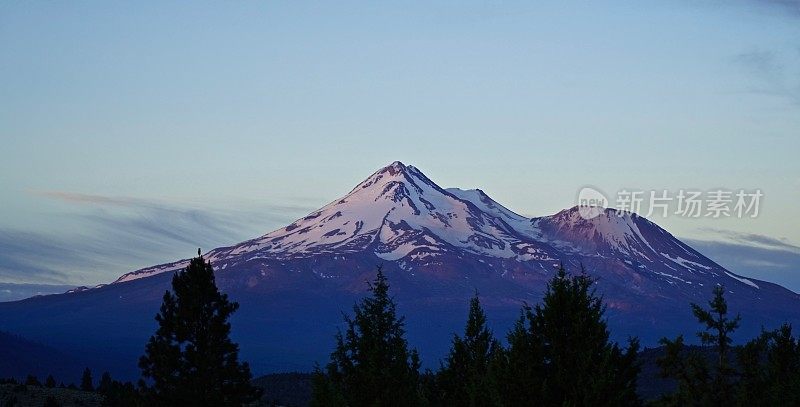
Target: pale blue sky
x=132 y=132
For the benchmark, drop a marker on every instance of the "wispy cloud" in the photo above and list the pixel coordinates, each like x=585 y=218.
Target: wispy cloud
x=753 y=255
x=762 y=63
x=771 y=73
x=768 y=264
x=753 y=239
x=33 y=257
x=774 y=68
x=114 y=235
x=75 y=197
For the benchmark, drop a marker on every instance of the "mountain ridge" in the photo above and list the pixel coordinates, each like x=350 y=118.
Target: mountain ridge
x=437 y=246
x=377 y=211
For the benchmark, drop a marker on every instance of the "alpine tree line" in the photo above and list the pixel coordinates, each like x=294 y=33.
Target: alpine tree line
x=558 y=353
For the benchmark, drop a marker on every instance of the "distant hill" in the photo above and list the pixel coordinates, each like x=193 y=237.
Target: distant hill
x=14 y=292
x=20 y=357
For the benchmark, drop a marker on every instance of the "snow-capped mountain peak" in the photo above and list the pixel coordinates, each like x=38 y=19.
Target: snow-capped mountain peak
x=611 y=231
x=394 y=173
x=398 y=214
x=477 y=197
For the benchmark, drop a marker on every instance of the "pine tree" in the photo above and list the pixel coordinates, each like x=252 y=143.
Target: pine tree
x=522 y=369
x=783 y=367
x=561 y=348
x=191 y=359
x=770 y=370
x=430 y=393
x=50 y=382
x=690 y=369
x=86 y=380
x=326 y=391
x=105 y=383
x=118 y=394
x=468 y=378
x=717 y=334
x=700 y=383
x=371 y=365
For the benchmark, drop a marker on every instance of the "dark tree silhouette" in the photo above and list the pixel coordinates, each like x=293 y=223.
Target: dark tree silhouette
x=32 y=380
x=86 y=380
x=50 y=382
x=700 y=382
x=560 y=352
x=770 y=370
x=105 y=383
x=118 y=394
x=522 y=372
x=718 y=330
x=371 y=365
x=468 y=376
x=191 y=359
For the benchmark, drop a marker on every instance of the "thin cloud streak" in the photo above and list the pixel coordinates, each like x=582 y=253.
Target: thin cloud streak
x=753 y=239
x=116 y=235
x=774 y=73
x=752 y=255
x=74 y=197
x=104 y=200
x=769 y=71
x=769 y=264
x=29 y=257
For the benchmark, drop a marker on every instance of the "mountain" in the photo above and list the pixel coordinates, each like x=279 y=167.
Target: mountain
x=395 y=215
x=12 y=292
x=437 y=247
x=20 y=357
